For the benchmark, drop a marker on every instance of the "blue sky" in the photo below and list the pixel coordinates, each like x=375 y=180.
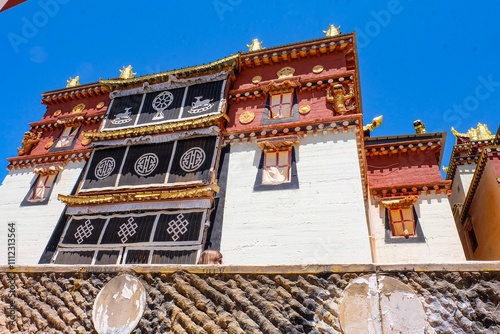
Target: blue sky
x=430 y=60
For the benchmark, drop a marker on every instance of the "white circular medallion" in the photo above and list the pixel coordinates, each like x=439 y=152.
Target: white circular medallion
x=146 y=164
x=104 y=168
x=192 y=159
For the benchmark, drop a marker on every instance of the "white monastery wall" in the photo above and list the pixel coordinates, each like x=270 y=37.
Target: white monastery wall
x=34 y=224
x=461 y=182
x=323 y=221
x=442 y=243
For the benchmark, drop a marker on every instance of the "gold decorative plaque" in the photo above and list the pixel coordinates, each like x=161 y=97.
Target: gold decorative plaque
x=86 y=141
x=318 y=69
x=78 y=108
x=57 y=112
x=49 y=144
x=286 y=72
x=256 y=79
x=305 y=109
x=100 y=105
x=247 y=117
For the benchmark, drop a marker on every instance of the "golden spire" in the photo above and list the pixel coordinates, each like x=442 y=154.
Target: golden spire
x=419 y=126
x=255 y=46
x=376 y=122
x=73 y=82
x=332 y=31
x=480 y=133
x=126 y=72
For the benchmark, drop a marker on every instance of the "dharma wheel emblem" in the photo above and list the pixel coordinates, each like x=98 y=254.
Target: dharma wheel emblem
x=104 y=168
x=160 y=103
x=192 y=159
x=146 y=164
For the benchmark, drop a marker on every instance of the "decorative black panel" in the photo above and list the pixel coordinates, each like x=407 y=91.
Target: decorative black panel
x=174 y=256
x=137 y=256
x=126 y=230
x=192 y=160
x=203 y=99
x=179 y=227
x=104 y=168
x=123 y=112
x=84 y=231
x=146 y=164
x=107 y=257
x=162 y=106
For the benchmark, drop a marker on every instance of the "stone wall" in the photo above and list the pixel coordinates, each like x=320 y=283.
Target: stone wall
x=458 y=298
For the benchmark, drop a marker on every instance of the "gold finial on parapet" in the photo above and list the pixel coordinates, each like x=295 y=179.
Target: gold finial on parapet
x=126 y=72
x=255 y=46
x=480 y=133
x=73 y=82
x=419 y=127
x=445 y=169
x=376 y=122
x=332 y=31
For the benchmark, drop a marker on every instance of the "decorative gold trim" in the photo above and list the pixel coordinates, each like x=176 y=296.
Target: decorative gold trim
x=156 y=129
x=204 y=191
x=404 y=202
x=305 y=109
x=48 y=169
x=246 y=117
x=285 y=86
x=285 y=72
x=100 y=105
x=49 y=144
x=86 y=141
x=278 y=143
x=57 y=112
x=318 y=69
x=78 y=108
x=256 y=79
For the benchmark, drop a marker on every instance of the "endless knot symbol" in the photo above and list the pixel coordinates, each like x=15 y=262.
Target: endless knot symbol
x=84 y=231
x=104 y=168
x=178 y=226
x=192 y=159
x=127 y=230
x=146 y=164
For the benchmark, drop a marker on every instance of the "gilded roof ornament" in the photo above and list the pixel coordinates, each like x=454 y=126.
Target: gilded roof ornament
x=127 y=73
x=255 y=46
x=73 y=82
x=419 y=127
x=332 y=31
x=480 y=133
x=376 y=122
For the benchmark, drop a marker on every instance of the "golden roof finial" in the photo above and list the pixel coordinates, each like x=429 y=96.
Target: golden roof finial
x=376 y=122
x=332 y=31
x=419 y=126
x=255 y=46
x=73 y=82
x=480 y=133
x=126 y=72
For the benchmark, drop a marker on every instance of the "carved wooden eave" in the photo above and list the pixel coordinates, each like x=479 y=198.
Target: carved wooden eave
x=54 y=158
x=407 y=147
x=49 y=169
x=489 y=153
x=439 y=187
x=318 y=83
x=216 y=119
x=281 y=86
x=277 y=143
x=230 y=63
x=403 y=202
x=68 y=119
x=141 y=196
x=297 y=51
x=73 y=93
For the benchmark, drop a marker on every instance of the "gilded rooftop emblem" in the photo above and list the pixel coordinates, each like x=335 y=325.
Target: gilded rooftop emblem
x=256 y=45
x=127 y=73
x=73 y=82
x=480 y=133
x=332 y=31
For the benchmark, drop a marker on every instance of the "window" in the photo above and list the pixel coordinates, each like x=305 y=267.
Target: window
x=67 y=137
x=401 y=220
x=40 y=190
x=281 y=106
x=276 y=167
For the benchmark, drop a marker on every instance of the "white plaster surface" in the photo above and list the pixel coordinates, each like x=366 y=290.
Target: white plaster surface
x=442 y=243
x=323 y=221
x=461 y=182
x=34 y=224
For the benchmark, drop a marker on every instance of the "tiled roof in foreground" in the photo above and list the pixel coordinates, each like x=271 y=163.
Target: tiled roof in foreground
x=456 y=298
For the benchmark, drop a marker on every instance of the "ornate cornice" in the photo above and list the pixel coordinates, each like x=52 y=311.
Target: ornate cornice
x=277 y=143
x=403 y=202
x=140 y=196
x=73 y=93
x=230 y=63
x=49 y=169
x=440 y=187
x=157 y=128
x=50 y=158
x=66 y=120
